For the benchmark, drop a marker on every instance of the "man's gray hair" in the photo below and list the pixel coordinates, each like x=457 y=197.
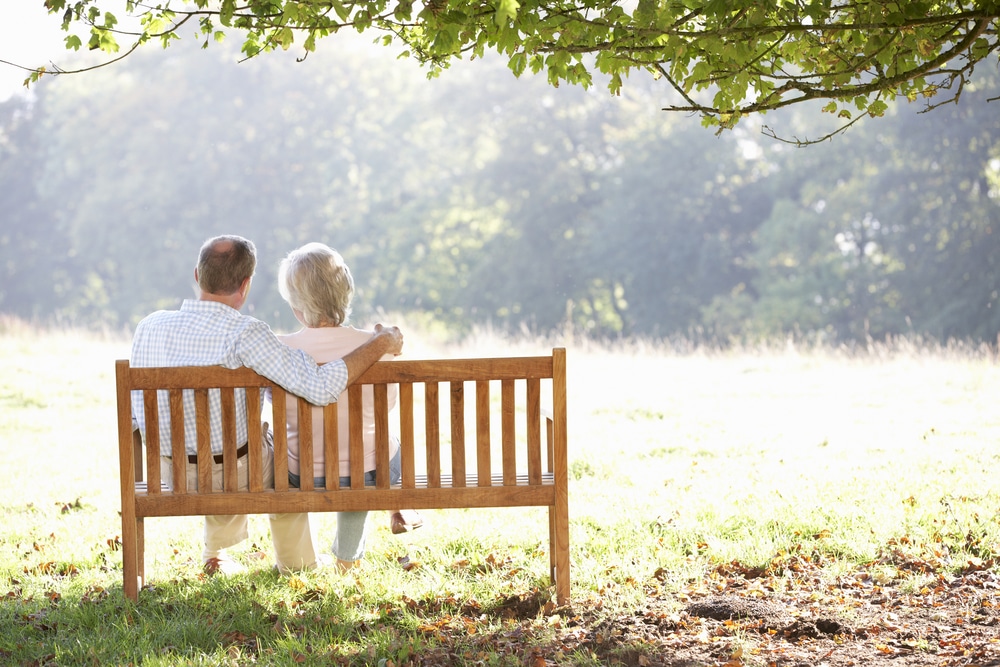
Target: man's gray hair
x=315 y=281
x=224 y=263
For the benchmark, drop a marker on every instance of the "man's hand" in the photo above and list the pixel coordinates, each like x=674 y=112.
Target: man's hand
x=395 y=337
x=385 y=340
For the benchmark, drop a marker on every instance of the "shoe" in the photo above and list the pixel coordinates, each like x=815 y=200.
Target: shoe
x=403 y=521
x=323 y=561
x=222 y=564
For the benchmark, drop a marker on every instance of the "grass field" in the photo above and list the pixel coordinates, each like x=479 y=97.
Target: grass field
x=680 y=461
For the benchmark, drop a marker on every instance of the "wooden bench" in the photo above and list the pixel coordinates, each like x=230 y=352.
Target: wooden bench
x=502 y=465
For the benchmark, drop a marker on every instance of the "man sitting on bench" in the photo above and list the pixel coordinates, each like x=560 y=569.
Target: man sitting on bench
x=211 y=331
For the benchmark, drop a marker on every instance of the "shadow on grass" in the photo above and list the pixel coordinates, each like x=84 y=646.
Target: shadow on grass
x=266 y=619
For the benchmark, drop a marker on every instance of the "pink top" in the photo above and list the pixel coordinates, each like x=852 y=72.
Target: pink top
x=326 y=344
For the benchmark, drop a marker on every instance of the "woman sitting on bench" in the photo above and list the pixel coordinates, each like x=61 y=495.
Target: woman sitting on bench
x=318 y=286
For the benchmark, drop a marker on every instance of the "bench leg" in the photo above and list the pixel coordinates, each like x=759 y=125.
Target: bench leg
x=559 y=550
x=130 y=575
x=131 y=550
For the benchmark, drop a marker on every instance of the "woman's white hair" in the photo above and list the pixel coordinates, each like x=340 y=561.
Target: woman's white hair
x=315 y=281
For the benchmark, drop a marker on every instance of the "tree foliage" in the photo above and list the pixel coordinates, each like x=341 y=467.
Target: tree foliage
x=724 y=59
x=475 y=199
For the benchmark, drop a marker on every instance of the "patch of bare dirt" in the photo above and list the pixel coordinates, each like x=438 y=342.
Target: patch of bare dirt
x=900 y=611
x=800 y=621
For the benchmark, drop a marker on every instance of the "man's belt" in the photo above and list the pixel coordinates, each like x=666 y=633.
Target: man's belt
x=193 y=458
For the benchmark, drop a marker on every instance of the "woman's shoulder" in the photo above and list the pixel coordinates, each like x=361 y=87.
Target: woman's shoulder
x=354 y=333
x=359 y=337
x=291 y=338
x=327 y=343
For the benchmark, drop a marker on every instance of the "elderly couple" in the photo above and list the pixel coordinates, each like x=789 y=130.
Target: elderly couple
x=210 y=330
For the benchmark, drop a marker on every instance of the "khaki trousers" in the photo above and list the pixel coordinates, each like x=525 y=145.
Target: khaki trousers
x=290 y=533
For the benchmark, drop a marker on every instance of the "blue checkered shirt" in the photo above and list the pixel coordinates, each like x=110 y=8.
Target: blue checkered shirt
x=207 y=333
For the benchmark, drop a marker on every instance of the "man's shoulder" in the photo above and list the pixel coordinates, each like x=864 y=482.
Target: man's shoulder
x=194 y=310
x=156 y=317
x=186 y=306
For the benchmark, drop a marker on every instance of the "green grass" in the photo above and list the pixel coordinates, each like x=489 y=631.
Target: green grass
x=683 y=465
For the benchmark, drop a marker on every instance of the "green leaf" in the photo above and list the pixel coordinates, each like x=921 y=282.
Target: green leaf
x=615 y=84
x=341 y=11
x=507 y=41
x=914 y=10
x=226 y=11
x=404 y=10
x=506 y=11
x=518 y=62
x=645 y=11
x=362 y=20
x=443 y=42
x=877 y=108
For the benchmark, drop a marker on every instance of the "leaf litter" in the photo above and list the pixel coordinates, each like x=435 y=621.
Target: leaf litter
x=790 y=613
x=902 y=609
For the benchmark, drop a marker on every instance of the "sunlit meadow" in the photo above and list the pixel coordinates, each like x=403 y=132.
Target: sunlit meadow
x=681 y=458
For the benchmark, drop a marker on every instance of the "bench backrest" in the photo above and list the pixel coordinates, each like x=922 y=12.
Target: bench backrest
x=494 y=438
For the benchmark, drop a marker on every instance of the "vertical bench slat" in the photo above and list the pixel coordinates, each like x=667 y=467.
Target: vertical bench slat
x=458 y=434
x=204 y=440
x=279 y=412
x=355 y=428
x=432 y=434
x=550 y=446
x=255 y=461
x=137 y=457
x=507 y=433
x=381 y=395
x=406 y=453
x=331 y=445
x=230 y=479
x=178 y=448
x=484 y=466
x=306 y=466
x=150 y=405
x=534 y=431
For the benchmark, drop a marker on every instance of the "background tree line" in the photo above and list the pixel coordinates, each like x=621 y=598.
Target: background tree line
x=480 y=198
